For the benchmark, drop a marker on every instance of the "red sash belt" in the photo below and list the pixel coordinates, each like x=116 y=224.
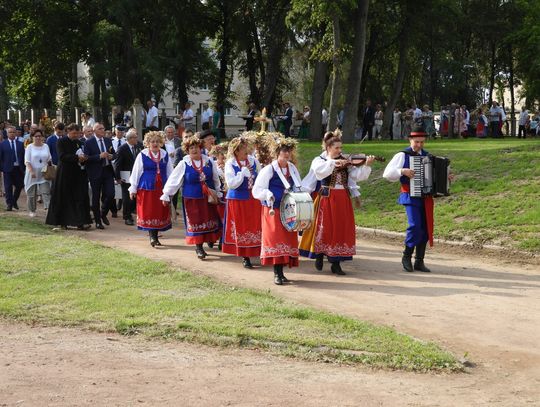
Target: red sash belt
x=428 y=208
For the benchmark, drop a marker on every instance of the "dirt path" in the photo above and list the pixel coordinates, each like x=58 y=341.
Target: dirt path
x=483 y=307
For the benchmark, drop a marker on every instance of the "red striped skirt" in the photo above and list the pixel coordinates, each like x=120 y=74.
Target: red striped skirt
x=201 y=220
x=278 y=245
x=151 y=214
x=242 y=230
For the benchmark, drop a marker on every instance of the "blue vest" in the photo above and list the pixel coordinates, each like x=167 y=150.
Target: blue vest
x=242 y=192
x=148 y=177
x=192 y=187
x=276 y=186
x=404 y=197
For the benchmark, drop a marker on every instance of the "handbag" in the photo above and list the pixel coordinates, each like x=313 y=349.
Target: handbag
x=49 y=172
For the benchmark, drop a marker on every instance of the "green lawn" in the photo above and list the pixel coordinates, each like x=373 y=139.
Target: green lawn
x=494 y=200
x=56 y=279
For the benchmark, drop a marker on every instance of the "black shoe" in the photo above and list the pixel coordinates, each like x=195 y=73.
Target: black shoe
x=336 y=269
x=83 y=227
x=129 y=222
x=284 y=279
x=105 y=220
x=99 y=226
x=277 y=279
x=15 y=206
x=114 y=215
x=9 y=208
x=406 y=259
x=158 y=243
x=210 y=245
x=247 y=263
x=219 y=246
x=420 y=266
x=319 y=262
x=201 y=254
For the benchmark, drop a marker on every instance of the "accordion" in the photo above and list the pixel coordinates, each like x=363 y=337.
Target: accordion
x=430 y=176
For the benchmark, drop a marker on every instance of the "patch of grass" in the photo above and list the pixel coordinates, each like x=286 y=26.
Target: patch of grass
x=65 y=280
x=494 y=199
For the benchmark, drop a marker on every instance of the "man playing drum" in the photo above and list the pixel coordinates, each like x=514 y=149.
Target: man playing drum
x=333 y=232
x=278 y=246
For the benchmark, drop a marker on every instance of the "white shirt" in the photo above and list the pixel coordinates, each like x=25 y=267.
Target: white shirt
x=138 y=168
x=37 y=157
x=523 y=118
x=207 y=115
x=494 y=113
x=187 y=116
x=151 y=117
x=417 y=113
x=176 y=179
x=392 y=172
x=235 y=180
x=467 y=117
x=324 y=118
x=261 y=190
x=116 y=142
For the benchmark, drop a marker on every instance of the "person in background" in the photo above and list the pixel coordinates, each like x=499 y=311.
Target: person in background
x=70 y=204
x=12 y=168
x=396 y=124
x=427 y=118
x=100 y=154
x=524 y=122
x=188 y=117
x=206 y=116
x=125 y=159
x=482 y=124
x=378 y=122
x=152 y=116
x=59 y=132
x=37 y=157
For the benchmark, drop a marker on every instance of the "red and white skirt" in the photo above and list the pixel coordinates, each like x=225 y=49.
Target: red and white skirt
x=333 y=233
x=242 y=230
x=201 y=220
x=278 y=245
x=151 y=213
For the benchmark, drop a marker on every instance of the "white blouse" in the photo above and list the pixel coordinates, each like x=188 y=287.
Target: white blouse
x=235 y=180
x=37 y=157
x=323 y=168
x=138 y=168
x=261 y=189
x=176 y=179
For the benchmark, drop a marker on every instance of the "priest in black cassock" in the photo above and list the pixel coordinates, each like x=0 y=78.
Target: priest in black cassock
x=70 y=205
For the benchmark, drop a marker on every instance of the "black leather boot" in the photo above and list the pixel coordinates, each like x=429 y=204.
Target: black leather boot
x=336 y=269
x=319 y=262
x=247 y=263
x=278 y=271
x=406 y=259
x=201 y=254
x=282 y=275
x=153 y=237
x=419 y=258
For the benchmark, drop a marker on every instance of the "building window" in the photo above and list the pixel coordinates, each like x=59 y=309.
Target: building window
x=227 y=111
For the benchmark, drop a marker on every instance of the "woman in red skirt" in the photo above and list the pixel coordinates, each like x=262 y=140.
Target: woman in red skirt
x=150 y=171
x=197 y=175
x=333 y=233
x=278 y=246
x=242 y=230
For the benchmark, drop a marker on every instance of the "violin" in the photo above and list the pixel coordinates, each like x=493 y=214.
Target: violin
x=359 y=159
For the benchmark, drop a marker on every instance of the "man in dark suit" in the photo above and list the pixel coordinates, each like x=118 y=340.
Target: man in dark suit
x=287 y=119
x=100 y=171
x=12 y=166
x=368 y=120
x=59 y=132
x=125 y=158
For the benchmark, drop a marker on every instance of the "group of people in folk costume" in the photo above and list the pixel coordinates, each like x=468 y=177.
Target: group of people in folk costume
x=235 y=200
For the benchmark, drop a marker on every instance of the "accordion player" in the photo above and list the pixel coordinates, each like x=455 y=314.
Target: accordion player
x=430 y=176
